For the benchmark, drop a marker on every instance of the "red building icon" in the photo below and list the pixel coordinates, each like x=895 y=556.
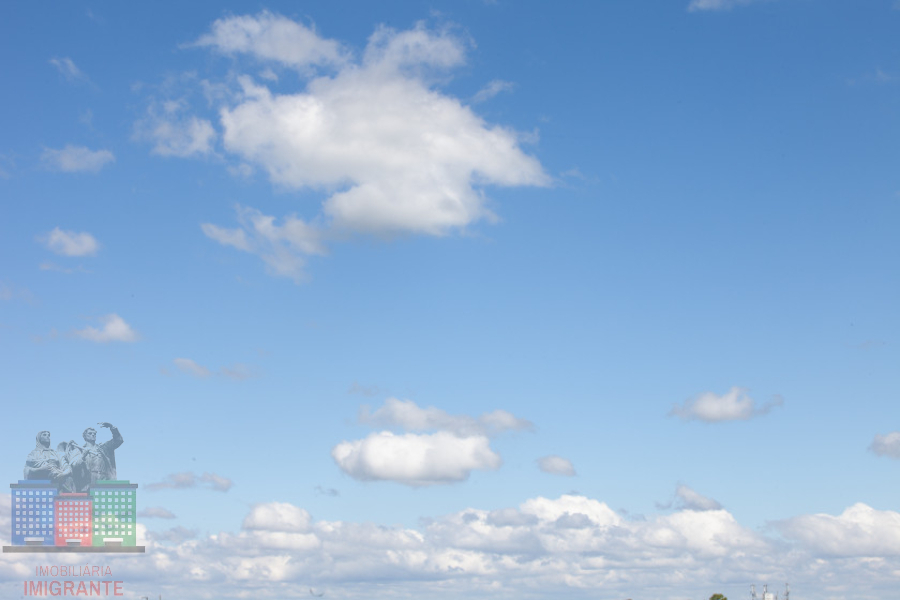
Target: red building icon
x=73 y=520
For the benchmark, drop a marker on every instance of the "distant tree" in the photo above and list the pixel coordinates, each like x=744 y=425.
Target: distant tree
x=717 y=597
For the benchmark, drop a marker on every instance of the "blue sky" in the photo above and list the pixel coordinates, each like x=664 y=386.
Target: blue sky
x=484 y=298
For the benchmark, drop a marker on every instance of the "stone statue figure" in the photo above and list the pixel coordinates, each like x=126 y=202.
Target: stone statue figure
x=94 y=461
x=46 y=463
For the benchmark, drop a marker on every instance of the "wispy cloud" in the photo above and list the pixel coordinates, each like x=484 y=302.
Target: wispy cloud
x=10 y=292
x=409 y=416
x=734 y=405
x=688 y=499
x=156 y=512
x=189 y=480
x=492 y=89
x=186 y=365
x=701 y=5
x=556 y=465
x=70 y=243
x=236 y=371
x=113 y=329
x=68 y=69
x=75 y=159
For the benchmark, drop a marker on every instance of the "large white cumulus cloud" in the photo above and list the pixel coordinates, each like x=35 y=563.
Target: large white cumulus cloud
x=567 y=547
x=391 y=152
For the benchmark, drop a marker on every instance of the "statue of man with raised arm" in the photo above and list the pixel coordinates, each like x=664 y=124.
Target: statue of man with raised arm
x=96 y=461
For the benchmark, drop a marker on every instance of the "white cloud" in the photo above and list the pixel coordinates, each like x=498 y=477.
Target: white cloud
x=70 y=243
x=272 y=37
x=393 y=154
x=492 y=89
x=277 y=516
x=698 y=5
x=415 y=459
x=114 y=329
x=567 y=547
x=734 y=405
x=186 y=365
x=407 y=415
x=73 y=159
x=887 y=445
x=459 y=445
x=859 y=531
x=67 y=68
x=556 y=465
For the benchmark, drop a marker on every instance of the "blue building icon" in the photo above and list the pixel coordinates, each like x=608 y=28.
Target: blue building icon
x=32 y=512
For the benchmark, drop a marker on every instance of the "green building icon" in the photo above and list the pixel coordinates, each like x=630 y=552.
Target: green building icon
x=115 y=510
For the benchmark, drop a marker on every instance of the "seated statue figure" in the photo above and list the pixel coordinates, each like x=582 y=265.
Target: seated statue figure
x=45 y=463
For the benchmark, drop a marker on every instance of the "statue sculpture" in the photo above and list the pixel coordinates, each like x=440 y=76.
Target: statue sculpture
x=72 y=467
x=96 y=461
x=45 y=463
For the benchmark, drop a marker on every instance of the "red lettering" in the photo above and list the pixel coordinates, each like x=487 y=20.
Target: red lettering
x=106 y=587
x=97 y=592
x=68 y=588
x=54 y=588
x=118 y=588
x=81 y=591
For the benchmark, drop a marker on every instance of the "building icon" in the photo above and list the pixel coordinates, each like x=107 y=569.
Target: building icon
x=32 y=512
x=73 y=519
x=115 y=507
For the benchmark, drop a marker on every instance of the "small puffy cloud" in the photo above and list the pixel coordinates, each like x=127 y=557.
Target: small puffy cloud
x=492 y=89
x=701 y=5
x=188 y=480
x=556 y=465
x=734 y=405
x=268 y=36
x=67 y=68
x=887 y=445
x=156 y=512
x=186 y=365
x=415 y=459
x=74 y=159
x=113 y=329
x=407 y=415
x=458 y=445
x=70 y=243
x=277 y=516
x=859 y=531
